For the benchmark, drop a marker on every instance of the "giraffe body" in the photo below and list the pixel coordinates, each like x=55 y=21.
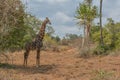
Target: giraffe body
x=36 y=44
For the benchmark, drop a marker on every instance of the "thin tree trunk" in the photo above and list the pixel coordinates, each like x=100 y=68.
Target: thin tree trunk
x=83 y=39
x=101 y=35
x=88 y=35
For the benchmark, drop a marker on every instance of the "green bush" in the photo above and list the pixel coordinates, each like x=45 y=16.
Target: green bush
x=101 y=50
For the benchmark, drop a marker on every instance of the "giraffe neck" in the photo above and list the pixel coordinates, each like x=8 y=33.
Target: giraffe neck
x=42 y=31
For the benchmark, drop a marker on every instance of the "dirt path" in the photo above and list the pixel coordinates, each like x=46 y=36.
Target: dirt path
x=61 y=66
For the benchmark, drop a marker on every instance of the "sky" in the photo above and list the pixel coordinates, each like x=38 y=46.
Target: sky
x=62 y=12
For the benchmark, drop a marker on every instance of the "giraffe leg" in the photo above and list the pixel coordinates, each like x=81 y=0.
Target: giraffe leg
x=24 y=59
x=38 y=58
x=26 y=54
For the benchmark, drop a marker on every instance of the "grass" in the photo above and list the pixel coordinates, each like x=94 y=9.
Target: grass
x=104 y=75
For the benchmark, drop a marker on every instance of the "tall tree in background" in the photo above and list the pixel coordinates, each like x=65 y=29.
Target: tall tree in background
x=101 y=35
x=86 y=13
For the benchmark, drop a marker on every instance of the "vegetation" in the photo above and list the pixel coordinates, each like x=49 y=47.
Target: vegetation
x=15 y=22
x=11 y=24
x=105 y=38
x=104 y=75
x=86 y=13
x=111 y=36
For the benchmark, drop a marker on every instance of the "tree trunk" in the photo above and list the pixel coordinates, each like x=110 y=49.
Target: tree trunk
x=83 y=39
x=101 y=35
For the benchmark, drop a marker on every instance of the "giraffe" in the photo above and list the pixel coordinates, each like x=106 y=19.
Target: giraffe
x=36 y=44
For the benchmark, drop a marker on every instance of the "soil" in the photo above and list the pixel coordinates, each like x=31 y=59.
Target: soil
x=63 y=65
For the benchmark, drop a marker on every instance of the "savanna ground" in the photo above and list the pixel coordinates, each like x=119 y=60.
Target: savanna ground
x=63 y=65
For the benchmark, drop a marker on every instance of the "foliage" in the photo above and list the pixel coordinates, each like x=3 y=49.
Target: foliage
x=12 y=27
x=86 y=13
x=33 y=24
x=50 y=43
x=111 y=34
x=101 y=50
x=95 y=35
x=12 y=40
x=11 y=15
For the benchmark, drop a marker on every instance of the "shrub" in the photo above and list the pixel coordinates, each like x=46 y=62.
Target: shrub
x=101 y=50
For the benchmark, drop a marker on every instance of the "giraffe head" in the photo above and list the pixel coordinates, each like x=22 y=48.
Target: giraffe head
x=48 y=21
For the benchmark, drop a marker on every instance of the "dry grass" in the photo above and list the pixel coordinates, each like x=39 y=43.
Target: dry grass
x=61 y=65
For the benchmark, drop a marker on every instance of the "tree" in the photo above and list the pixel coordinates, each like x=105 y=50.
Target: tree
x=86 y=13
x=12 y=29
x=33 y=24
x=11 y=15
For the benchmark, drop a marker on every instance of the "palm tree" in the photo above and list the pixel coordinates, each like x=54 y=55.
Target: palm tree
x=101 y=35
